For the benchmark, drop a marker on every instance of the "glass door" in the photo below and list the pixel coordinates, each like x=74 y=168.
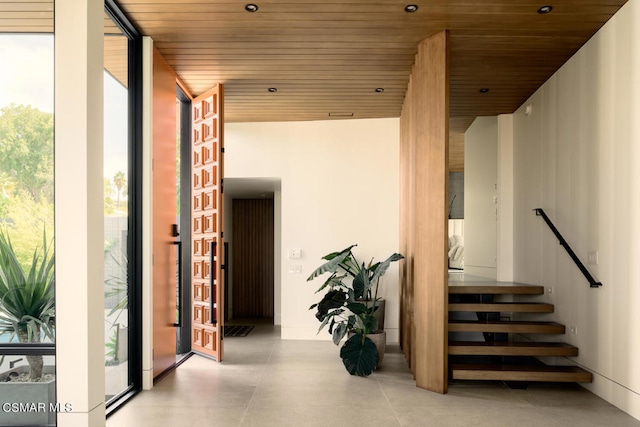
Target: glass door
x=122 y=277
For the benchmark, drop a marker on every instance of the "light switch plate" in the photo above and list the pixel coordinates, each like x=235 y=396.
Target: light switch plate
x=295 y=253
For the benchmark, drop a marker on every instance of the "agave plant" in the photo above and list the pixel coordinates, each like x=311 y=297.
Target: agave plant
x=27 y=302
x=118 y=286
x=344 y=308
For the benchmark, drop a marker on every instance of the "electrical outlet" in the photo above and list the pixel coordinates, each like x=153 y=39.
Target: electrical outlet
x=573 y=330
x=592 y=258
x=549 y=290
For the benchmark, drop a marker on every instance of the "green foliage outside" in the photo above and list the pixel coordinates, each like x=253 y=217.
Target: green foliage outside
x=26 y=177
x=26 y=209
x=26 y=150
x=109 y=204
x=120 y=181
x=27 y=303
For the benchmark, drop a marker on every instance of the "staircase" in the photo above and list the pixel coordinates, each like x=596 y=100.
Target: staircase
x=499 y=350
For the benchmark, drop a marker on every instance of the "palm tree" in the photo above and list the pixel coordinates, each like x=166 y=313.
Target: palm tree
x=108 y=189
x=27 y=303
x=119 y=180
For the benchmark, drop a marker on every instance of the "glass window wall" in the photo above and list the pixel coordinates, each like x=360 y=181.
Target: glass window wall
x=27 y=281
x=116 y=209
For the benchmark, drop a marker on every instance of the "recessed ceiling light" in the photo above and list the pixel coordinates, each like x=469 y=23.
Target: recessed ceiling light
x=484 y=90
x=545 y=9
x=379 y=89
x=273 y=89
x=410 y=8
x=251 y=7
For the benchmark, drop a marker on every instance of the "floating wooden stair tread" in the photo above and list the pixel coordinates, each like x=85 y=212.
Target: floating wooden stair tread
x=497 y=359
x=541 y=373
x=476 y=348
x=506 y=288
x=497 y=307
x=506 y=327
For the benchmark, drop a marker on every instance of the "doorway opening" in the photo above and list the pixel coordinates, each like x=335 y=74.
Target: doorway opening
x=182 y=228
x=252 y=231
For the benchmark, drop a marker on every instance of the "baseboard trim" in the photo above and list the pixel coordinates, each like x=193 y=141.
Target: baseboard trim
x=618 y=395
x=293 y=333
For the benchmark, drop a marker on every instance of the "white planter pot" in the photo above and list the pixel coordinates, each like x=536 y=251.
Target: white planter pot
x=37 y=399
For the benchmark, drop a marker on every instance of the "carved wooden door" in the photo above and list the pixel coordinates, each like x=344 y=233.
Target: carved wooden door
x=207 y=209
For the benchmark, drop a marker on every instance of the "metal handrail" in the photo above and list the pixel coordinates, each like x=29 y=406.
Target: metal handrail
x=592 y=282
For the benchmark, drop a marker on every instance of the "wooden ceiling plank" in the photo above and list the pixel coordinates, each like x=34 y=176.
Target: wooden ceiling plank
x=364 y=9
x=423 y=4
x=19 y=6
x=332 y=54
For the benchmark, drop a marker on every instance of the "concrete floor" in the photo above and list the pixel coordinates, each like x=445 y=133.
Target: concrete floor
x=265 y=381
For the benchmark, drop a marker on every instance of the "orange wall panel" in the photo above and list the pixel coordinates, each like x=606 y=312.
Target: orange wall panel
x=164 y=213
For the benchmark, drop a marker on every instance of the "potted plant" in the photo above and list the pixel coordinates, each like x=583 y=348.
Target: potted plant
x=27 y=303
x=27 y=311
x=345 y=309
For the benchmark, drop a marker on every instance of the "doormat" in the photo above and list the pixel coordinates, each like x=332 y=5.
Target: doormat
x=237 y=331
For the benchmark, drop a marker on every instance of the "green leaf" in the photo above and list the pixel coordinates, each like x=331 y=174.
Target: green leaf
x=27 y=304
x=332 y=265
x=332 y=255
x=370 y=323
x=333 y=281
x=384 y=266
x=359 y=355
x=361 y=283
x=339 y=332
x=357 y=308
x=329 y=316
x=332 y=299
x=351 y=321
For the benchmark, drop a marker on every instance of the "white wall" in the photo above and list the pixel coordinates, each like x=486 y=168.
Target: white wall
x=480 y=197
x=577 y=155
x=339 y=187
x=504 y=252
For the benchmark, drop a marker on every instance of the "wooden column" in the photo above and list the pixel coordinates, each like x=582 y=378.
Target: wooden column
x=407 y=212
x=424 y=164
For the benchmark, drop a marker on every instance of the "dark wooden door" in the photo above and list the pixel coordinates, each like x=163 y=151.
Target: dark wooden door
x=252 y=253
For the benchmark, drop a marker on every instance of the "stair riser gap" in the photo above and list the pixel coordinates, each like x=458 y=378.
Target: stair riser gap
x=522 y=376
x=493 y=351
x=522 y=329
x=496 y=290
x=502 y=308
